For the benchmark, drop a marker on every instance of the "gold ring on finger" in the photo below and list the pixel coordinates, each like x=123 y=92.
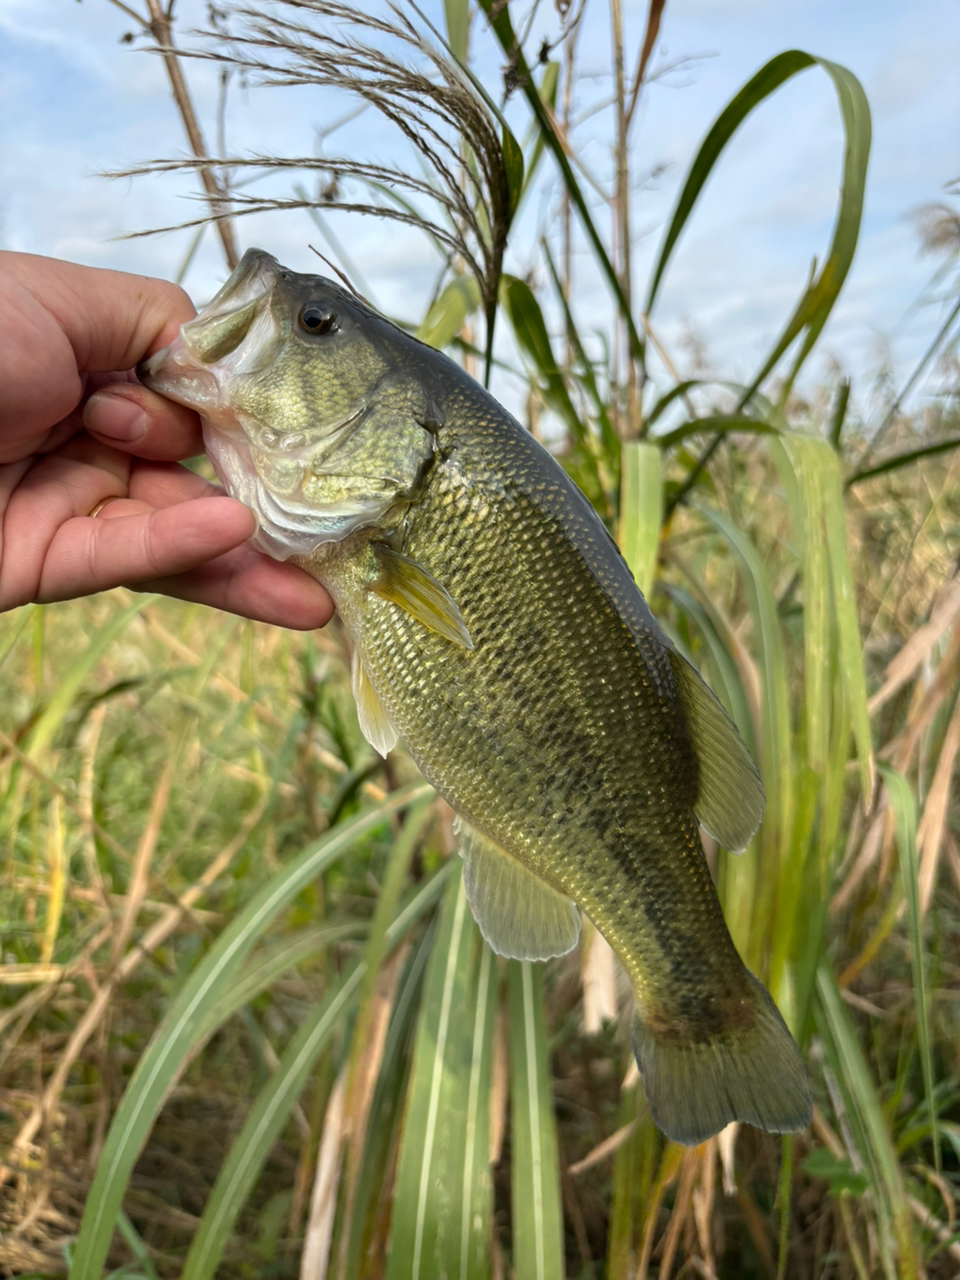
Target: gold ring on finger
x=95 y=511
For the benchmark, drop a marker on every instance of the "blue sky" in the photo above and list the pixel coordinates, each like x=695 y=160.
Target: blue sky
x=75 y=102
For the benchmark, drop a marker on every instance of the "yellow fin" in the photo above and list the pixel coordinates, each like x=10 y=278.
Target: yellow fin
x=374 y=723
x=407 y=584
x=519 y=914
x=731 y=799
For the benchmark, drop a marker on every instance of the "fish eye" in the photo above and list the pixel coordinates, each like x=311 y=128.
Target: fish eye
x=318 y=318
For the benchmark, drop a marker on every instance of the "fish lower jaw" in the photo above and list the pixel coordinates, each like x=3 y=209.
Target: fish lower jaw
x=284 y=528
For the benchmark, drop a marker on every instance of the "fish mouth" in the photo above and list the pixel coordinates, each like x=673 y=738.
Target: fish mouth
x=234 y=334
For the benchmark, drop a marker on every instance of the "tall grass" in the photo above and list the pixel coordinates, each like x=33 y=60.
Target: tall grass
x=249 y=1026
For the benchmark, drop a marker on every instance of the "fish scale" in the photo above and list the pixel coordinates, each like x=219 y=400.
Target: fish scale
x=499 y=633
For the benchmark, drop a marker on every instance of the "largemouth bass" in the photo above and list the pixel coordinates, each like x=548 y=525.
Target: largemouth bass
x=497 y=630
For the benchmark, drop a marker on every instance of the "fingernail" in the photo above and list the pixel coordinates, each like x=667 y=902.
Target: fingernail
x=115 y=416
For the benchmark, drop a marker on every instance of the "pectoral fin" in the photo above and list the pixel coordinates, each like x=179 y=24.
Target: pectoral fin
x=730 y=800
x=409 y=586
x=374 y=722
x=518 y=913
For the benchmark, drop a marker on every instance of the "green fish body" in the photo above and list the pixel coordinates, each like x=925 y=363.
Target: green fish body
x=499 y=633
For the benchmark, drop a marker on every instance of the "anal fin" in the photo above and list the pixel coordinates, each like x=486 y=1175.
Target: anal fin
x=374 y=722
x=519 y=914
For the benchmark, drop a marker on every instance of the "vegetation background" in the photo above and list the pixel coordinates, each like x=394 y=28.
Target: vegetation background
x=248 y=1026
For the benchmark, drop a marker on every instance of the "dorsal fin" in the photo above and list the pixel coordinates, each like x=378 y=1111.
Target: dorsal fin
x=731 y=799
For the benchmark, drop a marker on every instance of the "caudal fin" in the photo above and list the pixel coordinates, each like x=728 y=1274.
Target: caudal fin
x=753 y=1073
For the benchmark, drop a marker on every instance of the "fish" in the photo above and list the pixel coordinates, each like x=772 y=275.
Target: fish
x=497 y=630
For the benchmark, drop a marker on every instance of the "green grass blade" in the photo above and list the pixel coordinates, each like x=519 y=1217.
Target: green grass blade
x=457 y=15
x=816 y=303
x=442 y=1203
x=801 y=464
x=383 y=1134
x=70 y=681
x=272 y=1109
x=525 y=315
x=398 y=865
x=499 y=17
x=757 y=901
x=904 y=808
x=641 y=510
x=810 y=469
x=458 y=300
x=847 y=621
x=720 y=423
x=265 y=1123
x=759 y=402
x=724 y=675
x=906 y=459
x=608 y=436
x=476 y=1201
x=513 y=166
x=868 y=1126
x=547 y=89
x=537 y=1211
x=20 y=619
x=264 y=969
x=177 y=1036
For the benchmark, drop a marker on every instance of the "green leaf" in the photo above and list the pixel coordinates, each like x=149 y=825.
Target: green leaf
x=530 y=329
x=905 y=459
x=867 y=1123
x=513 y=167
x=758 y=401
x=803 y=461
x=273 y=1106
x=608 y=436
x=265 y=1123
x=459 y=299
x=457 y=15
x=498 y=15
x=904 y=808
x=265 y=968
x=547 y=89
x=535 y=1181
x=847 y=621
x=816 y=302
x=186 y=1024
x=641 y=510
x=755 y=903
x=383 y=1134
x=442 y=1206
x=722 y=423
x=725 y=678
x=840 y=1174
x=70 y=680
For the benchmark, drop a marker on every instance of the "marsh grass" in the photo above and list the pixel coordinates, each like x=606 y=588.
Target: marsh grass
x=247 y=1025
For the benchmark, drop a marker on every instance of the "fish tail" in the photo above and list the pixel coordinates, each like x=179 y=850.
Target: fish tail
x=753 y=1073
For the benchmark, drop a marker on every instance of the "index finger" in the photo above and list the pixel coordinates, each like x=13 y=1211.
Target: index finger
x=60 y=322
x=111 y=319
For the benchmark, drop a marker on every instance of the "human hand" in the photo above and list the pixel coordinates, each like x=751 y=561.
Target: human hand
x=91 y=493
